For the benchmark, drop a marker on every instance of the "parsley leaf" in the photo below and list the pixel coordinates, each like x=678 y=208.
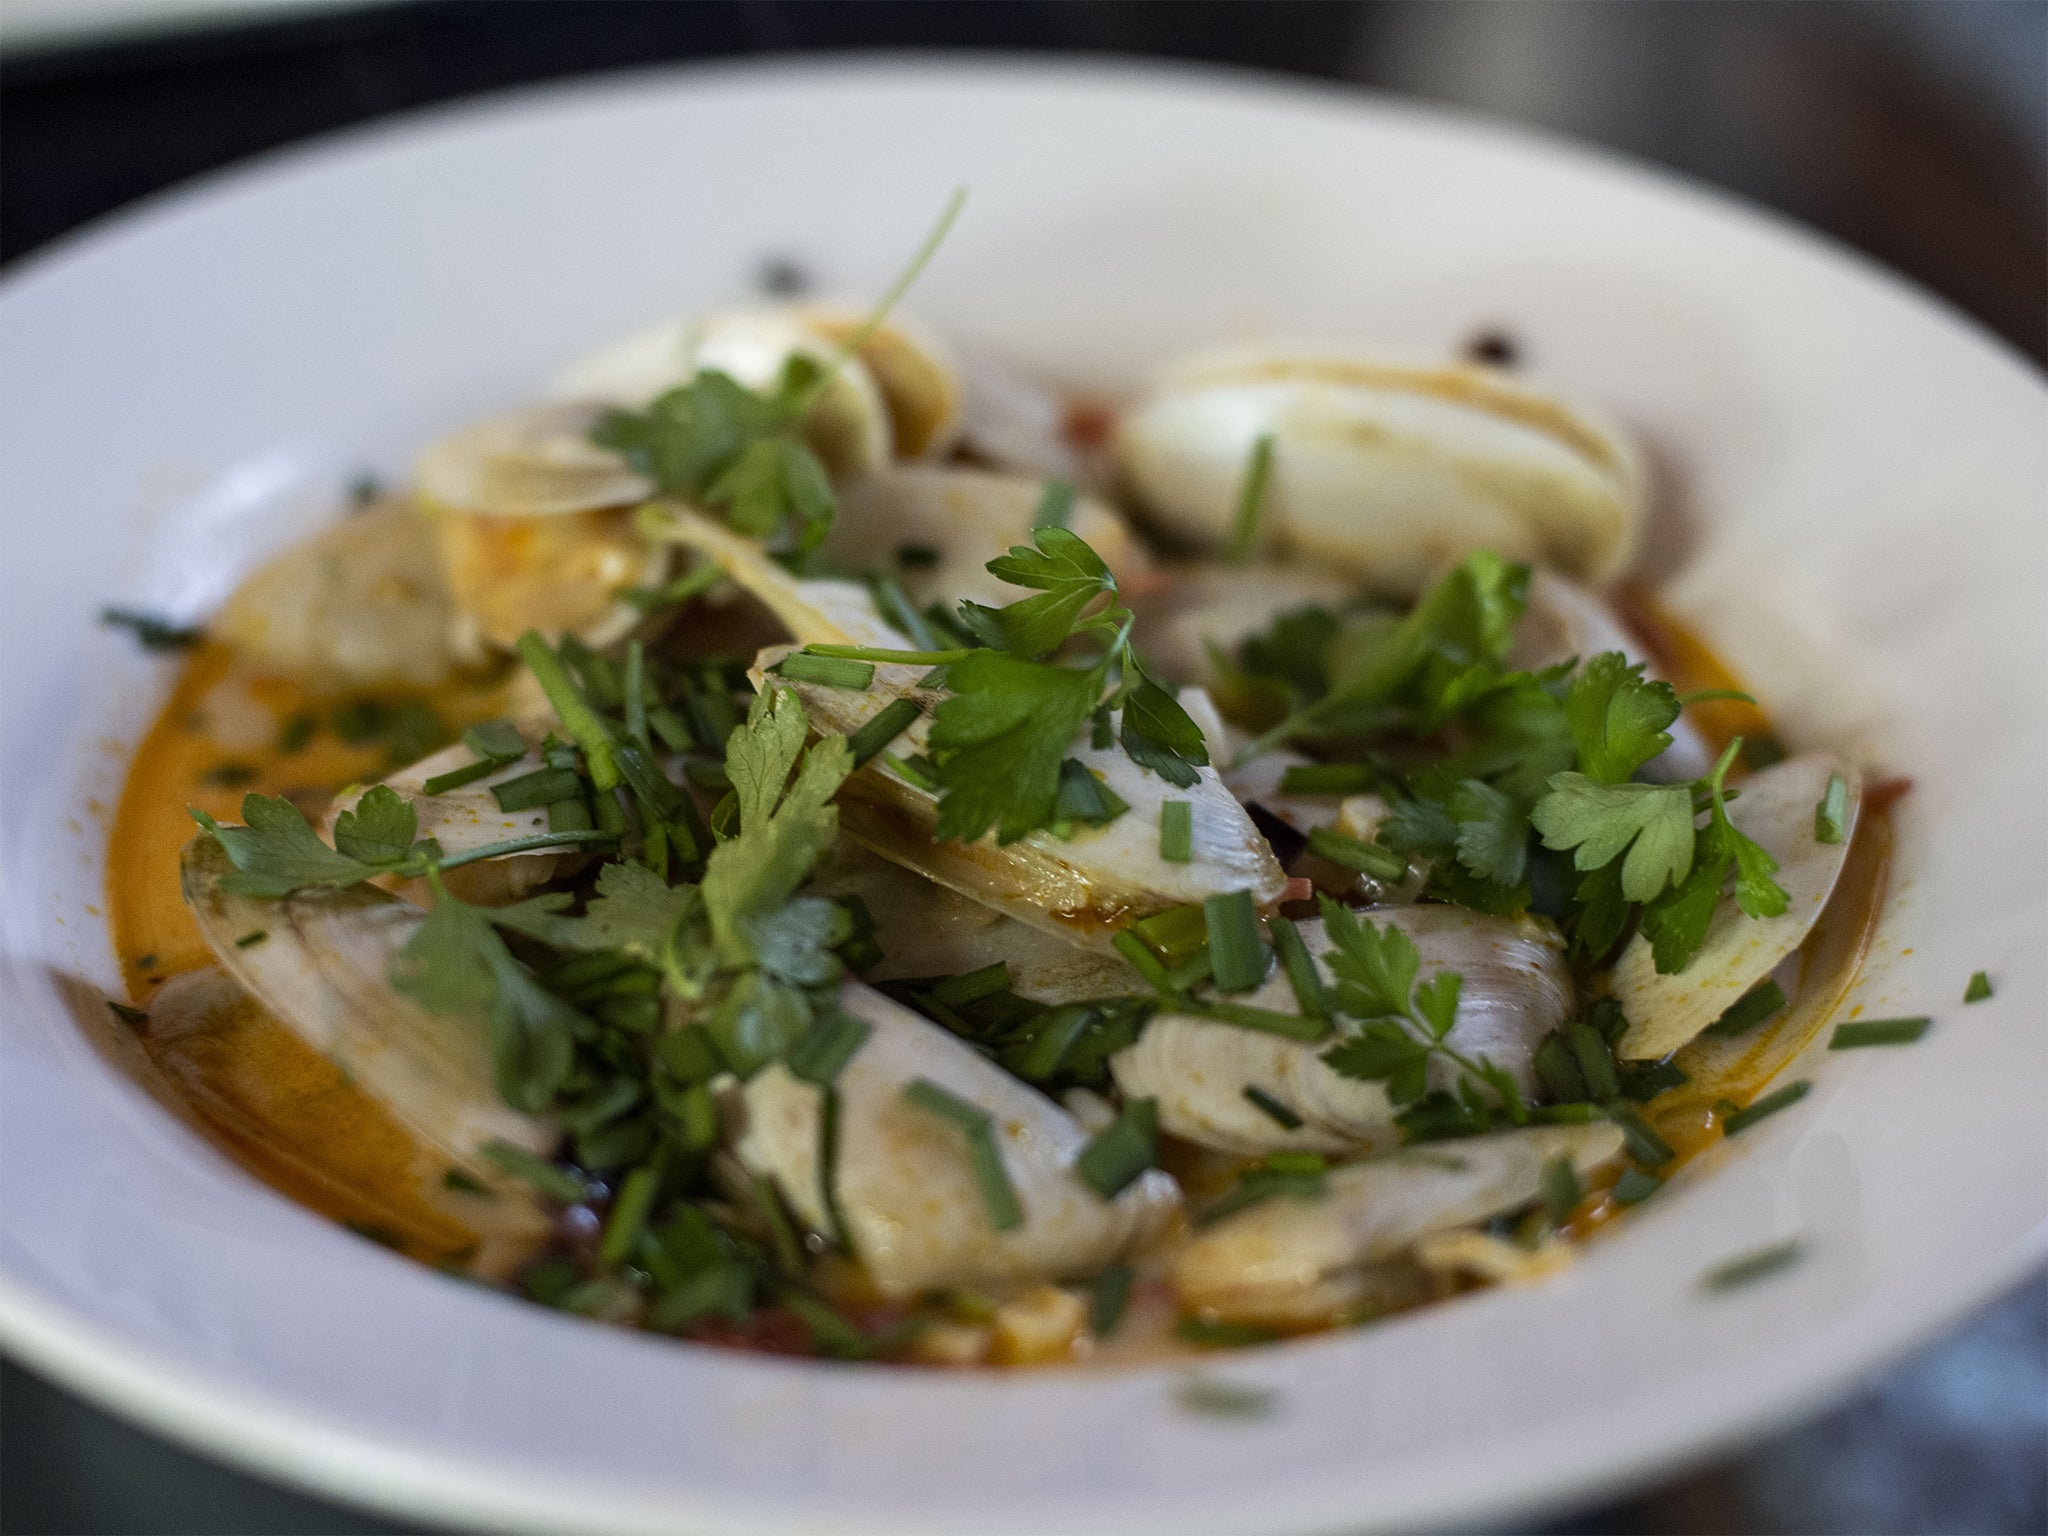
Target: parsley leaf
x=379 y=829
x=1492 y=835
x=1160 y=735
x=1618 y=717
x=634 y=910
x=998 y=741
x=277 y=851
x=1654 y=822
x=1068 y=576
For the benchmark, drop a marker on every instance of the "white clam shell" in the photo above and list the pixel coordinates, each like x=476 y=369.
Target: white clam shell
x=1285 y=1259
x=905 y=1187
x=1516 y=990
x=323 y=969
x=1775 y=808
x=1389 y=471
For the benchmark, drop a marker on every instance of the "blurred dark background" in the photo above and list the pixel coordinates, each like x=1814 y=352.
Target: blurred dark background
x=1915 y=130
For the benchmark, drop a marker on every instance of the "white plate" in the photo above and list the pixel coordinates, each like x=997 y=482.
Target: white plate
x=1858 y=480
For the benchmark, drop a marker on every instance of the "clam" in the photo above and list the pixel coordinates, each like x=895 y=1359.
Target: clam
x=1291 y=1260
x=937 y=527
x=1085 y=887
x=902 y=1181
x=1776 y=808
x=468 y=817
x=1387 y=471
x=362 y=605
x=897 y=397
x=323 y=968
x=1202 y=607
x=1516 y=990
x=924 y=929
x=536 y=529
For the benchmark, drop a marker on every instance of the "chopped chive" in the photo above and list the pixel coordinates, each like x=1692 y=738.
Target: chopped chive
x=674 y=593
x=1101 y=734
x=998 y=1197
x=464 y=1182
x=1978 y=989
x=1644 y=1082
x=1177 y=832
x=1748 y=1010
x=1251 y=500
x=879 y=730
x=1267 y=1021
x=910 y=771
x=1564 y=1114
x=1111 y=1299
x=1176 y=934
x=973 y=986
x=1735 y=1121
x=1635 y=1186
x=1055 y=505
x=1204 y=1334
x=1271 y=1108
x=1848 y=1037
x=1561 y=1190
x=636 y=694
x=826 y=671
x=581 y=721
x=296 y=734
x=628 y=1217
x=1832 y=812
x=134 y=1018
x=1326 y=779
x=1749 y=1267
x=1143 y=961
x=1115 y=1155
x=1644 y=1144
x=571 y=815
x=1557 y=1066
x=571 y=839
x=252 y=938
x=1222 y=1399
x=669 y=727
x=833 y=1041
x=1595 y=1060
x=1366 y=858
x=152 y=631
x=828 y=1169
x=469 y=773
x=786 y=1245
x=557 y=1183
x=1303 y=975
x=1238 y=958
x=916 y=557
x=543 y=786
x=884 y=653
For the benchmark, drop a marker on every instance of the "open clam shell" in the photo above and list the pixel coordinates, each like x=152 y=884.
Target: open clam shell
x=1389 y=471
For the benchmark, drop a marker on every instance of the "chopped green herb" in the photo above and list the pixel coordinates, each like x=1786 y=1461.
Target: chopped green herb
x=552 y=1181
x=1763 y=751
x=1303 y=975
x=1635 y=1186
x=1205 y=1334
x=916 y=557
x=1864 y=1032
x=1644 y=1144
x=1759 y=1265
x=1595 y=1060
x=1055 y=505
x=1122 y=1150
x=826 y=671
x=833 y=1041
x=1735 y=1121
x=1141 y=959
x=1290 y=1175
x=1291 y=1026
x=1111 y=1298
x=152 y=631
x=543 y=786
x=1832 y=813
x=1327 y=779
x=1366 y=858
x=1561 y=1190
x=1251 y=500
x=464 y=1182
x=251 y=939
x=1177 y=832
x=973 y=986
x=1222 y=1399
x=1238 y=957
x=1174 y=935
x=1748 y=1010
x=1084 y=798
x=674 y=593
x=1978 y=989
x=998 y=1196
x=877 y=732
x=1271 y=1108
x=296 y=734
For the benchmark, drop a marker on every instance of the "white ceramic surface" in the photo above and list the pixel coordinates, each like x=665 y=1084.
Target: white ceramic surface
x=1854 y=502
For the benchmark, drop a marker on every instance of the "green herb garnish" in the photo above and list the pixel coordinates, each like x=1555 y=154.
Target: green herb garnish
x=1734 y=1121
x=998 y=1196
x=1864 y=1032
x=1749 y=1267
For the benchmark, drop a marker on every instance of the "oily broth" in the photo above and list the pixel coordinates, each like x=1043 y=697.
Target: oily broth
x=292 y=1119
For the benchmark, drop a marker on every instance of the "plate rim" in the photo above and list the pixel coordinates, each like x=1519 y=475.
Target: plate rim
x=195 y=1408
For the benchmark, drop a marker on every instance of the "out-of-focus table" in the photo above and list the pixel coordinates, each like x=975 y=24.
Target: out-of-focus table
x=1914 y=129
